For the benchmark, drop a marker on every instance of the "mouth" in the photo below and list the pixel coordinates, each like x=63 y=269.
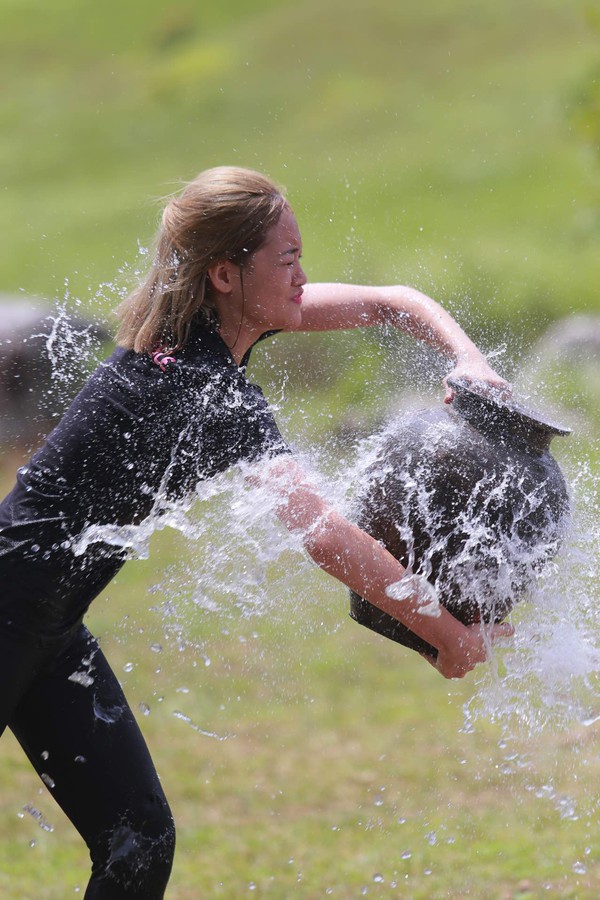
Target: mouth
x=297 y=298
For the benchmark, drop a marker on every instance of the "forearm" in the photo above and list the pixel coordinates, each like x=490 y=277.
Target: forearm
x=366 y=567
x=342 y=549
x=340 y=306
x=422 y=317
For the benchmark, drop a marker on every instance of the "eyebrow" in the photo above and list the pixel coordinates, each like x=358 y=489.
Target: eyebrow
x=290 y=251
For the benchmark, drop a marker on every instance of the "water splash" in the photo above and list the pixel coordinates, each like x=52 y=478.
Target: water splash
x=550 y=678
x=546 y=682
x=71 y=344
x=210 y=734
x=547 y=679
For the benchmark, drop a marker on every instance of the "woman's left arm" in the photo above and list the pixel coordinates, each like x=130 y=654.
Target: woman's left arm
x=326 y=307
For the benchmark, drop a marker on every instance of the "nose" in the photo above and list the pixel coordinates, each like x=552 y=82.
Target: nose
x=299 y=276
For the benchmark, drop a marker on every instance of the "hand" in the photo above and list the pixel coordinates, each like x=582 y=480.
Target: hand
x=477 y=370
x=471 y=648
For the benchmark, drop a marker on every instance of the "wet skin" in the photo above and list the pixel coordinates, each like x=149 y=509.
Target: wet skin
x=266 y=292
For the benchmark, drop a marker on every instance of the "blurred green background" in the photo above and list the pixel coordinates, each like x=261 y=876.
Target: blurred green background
x=438 y=144
x=451 y=146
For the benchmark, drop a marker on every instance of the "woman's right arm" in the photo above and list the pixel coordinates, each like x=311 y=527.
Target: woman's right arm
x=360 y=562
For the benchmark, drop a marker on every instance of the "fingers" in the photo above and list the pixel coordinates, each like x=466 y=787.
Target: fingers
x=442 y=666
x=473 y=650
x=503 y=630
x=480 y=378
x=452 y=672
x=489 y=634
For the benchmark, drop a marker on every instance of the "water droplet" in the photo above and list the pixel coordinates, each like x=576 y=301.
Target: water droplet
x=579 y=868
x=590 y=721
x=39 y=817
x=187 y=719
x=406 y=854
x=82 y=678
x=108 y=714
x=128 y=667
x=144 y=709
x=44 y=754
x=48 y=780
x=378 y=879
x=156 y=648
x=80 y=759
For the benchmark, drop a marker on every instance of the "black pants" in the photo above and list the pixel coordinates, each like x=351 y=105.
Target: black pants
x=66 y=708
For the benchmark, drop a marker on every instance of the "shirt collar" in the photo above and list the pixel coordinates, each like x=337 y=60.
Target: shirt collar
x=205 y=338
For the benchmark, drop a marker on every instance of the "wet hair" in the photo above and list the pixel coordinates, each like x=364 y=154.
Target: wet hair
x=224 y=213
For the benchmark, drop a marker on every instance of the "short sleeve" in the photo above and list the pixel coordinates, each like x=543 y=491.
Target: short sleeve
x=248 y=432
x=228 y=422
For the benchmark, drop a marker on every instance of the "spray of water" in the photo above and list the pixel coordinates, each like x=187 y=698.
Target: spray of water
x=548 y=677
x=547 y=680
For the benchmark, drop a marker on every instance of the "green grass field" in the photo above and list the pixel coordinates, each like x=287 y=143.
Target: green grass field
x=428 y=143
x=420 y=142
x=306 y=757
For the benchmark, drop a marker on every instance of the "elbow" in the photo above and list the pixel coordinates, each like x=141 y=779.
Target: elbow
x=324 y=533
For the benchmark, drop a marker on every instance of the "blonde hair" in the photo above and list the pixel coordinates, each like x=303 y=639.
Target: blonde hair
x=224 y=213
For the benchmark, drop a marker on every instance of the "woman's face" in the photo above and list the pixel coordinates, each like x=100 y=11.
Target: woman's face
x=273 y=278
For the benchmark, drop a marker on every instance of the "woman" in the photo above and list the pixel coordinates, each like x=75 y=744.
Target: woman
x=170 y=407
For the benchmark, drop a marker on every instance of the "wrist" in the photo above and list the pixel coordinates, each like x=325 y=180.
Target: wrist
x=469 y=354
x=428 y=618
x=451 y=633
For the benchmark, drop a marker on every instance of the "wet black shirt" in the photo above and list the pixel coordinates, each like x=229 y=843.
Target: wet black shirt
x=135 y=438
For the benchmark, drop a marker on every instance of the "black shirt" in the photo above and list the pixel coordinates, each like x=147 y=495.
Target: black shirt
x=135 y=438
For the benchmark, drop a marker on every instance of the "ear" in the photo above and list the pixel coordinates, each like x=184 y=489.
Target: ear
x=221 y=275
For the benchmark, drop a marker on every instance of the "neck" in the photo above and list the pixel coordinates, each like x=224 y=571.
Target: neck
x=238 y=340
x=234 y=328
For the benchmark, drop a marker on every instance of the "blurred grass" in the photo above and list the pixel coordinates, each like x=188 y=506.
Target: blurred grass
x=425 y=143
x=343 y=770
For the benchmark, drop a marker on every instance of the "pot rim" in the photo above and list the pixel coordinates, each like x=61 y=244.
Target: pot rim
x=486 y=401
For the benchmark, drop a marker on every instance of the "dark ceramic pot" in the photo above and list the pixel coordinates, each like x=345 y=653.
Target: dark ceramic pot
x=468 y=496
